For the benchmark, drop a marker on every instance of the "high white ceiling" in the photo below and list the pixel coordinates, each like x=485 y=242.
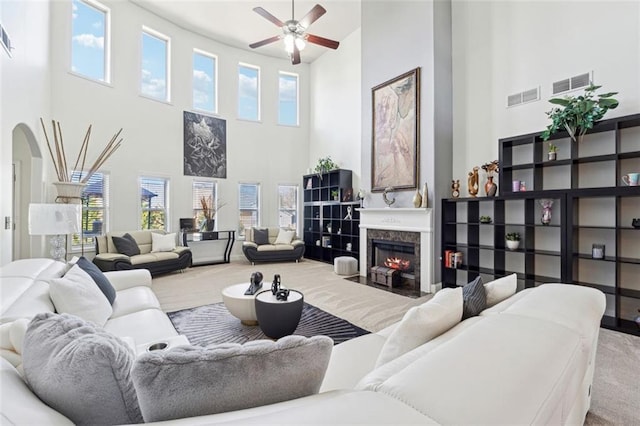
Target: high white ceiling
x=234 y=22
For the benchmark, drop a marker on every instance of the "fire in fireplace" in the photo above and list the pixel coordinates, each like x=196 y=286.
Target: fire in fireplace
x=394 y=254
x=397 y=263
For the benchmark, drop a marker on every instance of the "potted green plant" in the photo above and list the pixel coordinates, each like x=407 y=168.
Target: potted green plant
x=513 y=240
x=335 y=194
x=325 y=165
x=552 y=154
x=485 y=219
x=578 y=114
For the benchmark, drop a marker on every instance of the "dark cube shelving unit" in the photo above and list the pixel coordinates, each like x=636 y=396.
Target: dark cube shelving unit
x=591 y=206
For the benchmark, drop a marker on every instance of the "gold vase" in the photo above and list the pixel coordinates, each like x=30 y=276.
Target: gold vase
x=417 y=199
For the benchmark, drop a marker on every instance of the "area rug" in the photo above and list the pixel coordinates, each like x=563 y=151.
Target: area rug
x=213 y=324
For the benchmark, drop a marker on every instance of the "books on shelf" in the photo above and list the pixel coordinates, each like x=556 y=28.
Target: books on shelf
x=452 y=259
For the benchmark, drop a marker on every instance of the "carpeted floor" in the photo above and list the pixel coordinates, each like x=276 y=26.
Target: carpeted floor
x=213 y=324
x=616 y=386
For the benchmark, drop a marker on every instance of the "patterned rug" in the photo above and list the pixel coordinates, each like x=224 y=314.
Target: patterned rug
x=213 y=324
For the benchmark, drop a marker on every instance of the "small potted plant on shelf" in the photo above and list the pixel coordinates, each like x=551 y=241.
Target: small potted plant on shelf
x=335 y=194
x=325 y=165
x=513 y=240
x=578 y=114
x=553 y=152
x=485 y=219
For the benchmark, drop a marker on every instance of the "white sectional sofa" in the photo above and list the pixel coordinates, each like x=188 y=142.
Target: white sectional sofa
x=527 y=360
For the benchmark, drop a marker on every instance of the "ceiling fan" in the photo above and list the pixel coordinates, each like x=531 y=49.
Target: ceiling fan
x=294 y=32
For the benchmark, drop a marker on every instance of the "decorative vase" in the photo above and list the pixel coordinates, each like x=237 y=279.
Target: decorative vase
x=417 y=199
x=425 y=196
x=546 y=211
x=69 y=192
x=552 y=156
x=210 y=225
x=490 y=188
x=513 y=245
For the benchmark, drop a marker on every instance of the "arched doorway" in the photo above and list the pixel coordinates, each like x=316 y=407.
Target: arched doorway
x=27 y=186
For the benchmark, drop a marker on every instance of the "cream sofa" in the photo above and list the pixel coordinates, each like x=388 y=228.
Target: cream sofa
x=24 y=288
x=109 y=259
x=527 y=360
x=271 y=252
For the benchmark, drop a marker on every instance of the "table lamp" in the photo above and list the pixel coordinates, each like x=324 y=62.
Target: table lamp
x=58 y=220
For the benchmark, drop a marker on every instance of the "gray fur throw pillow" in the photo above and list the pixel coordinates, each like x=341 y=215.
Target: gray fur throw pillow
x=191 y=381
x=80 y=370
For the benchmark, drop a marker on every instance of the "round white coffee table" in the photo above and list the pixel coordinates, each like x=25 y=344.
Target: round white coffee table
x=241 y=306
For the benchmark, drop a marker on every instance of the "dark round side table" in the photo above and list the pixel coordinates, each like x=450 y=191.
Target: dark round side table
x=278 y=318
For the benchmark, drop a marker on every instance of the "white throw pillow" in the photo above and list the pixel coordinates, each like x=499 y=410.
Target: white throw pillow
x=77 y=294
x=285 y=236
x=423 y=323
x=500 y=289
x=161 y=242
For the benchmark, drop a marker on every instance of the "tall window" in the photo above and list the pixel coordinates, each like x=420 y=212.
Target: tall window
x=95 y=207
x=207 y=191
x=248 y=92
x=153 y=203
x=204 y=81
x=155 y=71
x=90 y=39
x=249 y=205
x=288 y=206
x=288 y=99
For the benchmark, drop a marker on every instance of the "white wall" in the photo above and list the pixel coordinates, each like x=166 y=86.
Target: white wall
x=335 y=128
x=153 y=131
x=25 y=87
x=505 y=47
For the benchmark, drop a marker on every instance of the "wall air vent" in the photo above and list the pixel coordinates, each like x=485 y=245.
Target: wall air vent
x=572 y=83
x=527 y=96
x=5 y=40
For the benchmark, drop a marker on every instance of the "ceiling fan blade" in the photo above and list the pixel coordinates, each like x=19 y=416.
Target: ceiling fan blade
x=260 y=11
x=265 y=41
x=312 y=16
x=331 y=44
x=295 y=56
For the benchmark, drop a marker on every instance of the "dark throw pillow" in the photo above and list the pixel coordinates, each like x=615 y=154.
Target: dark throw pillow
x=98 y=277
x=126 y=245
x=474 y=298
x=260 y=236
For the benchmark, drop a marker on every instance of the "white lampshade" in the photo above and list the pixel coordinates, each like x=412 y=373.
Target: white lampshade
x=54 y=219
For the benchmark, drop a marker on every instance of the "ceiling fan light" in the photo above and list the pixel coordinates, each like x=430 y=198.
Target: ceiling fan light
x=300 y=44
x=288 y=43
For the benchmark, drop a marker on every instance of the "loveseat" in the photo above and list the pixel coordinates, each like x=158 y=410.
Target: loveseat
x=527 y=359
x=108 y=258
x=273 y=247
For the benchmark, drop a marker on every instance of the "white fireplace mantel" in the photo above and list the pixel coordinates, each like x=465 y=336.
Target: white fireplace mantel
x=401 y=219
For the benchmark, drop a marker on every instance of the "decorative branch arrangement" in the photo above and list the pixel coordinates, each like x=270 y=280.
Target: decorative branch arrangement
x=209 y=210
x=60 y=158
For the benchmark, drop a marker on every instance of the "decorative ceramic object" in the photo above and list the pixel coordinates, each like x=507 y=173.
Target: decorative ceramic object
x=385 y=198
x=546 y=211
x=490 y=188
x=425 y=196
x=513 y=245
x=417 y=199
x=597 y=251
x=472 y=182
x=552 y=156
x=455 y=188
x=635 y=222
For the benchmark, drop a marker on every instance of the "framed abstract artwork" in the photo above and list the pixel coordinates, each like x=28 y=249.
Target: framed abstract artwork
x=205 y=146
x=395 y=153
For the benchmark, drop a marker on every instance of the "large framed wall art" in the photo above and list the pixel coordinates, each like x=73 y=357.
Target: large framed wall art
x=395 y=153
x=205 y=146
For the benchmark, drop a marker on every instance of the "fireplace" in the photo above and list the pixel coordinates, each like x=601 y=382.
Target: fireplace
x=408 y=232
x=394 y=258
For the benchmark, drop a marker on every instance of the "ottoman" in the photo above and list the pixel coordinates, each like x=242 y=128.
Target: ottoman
x=345 y=265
